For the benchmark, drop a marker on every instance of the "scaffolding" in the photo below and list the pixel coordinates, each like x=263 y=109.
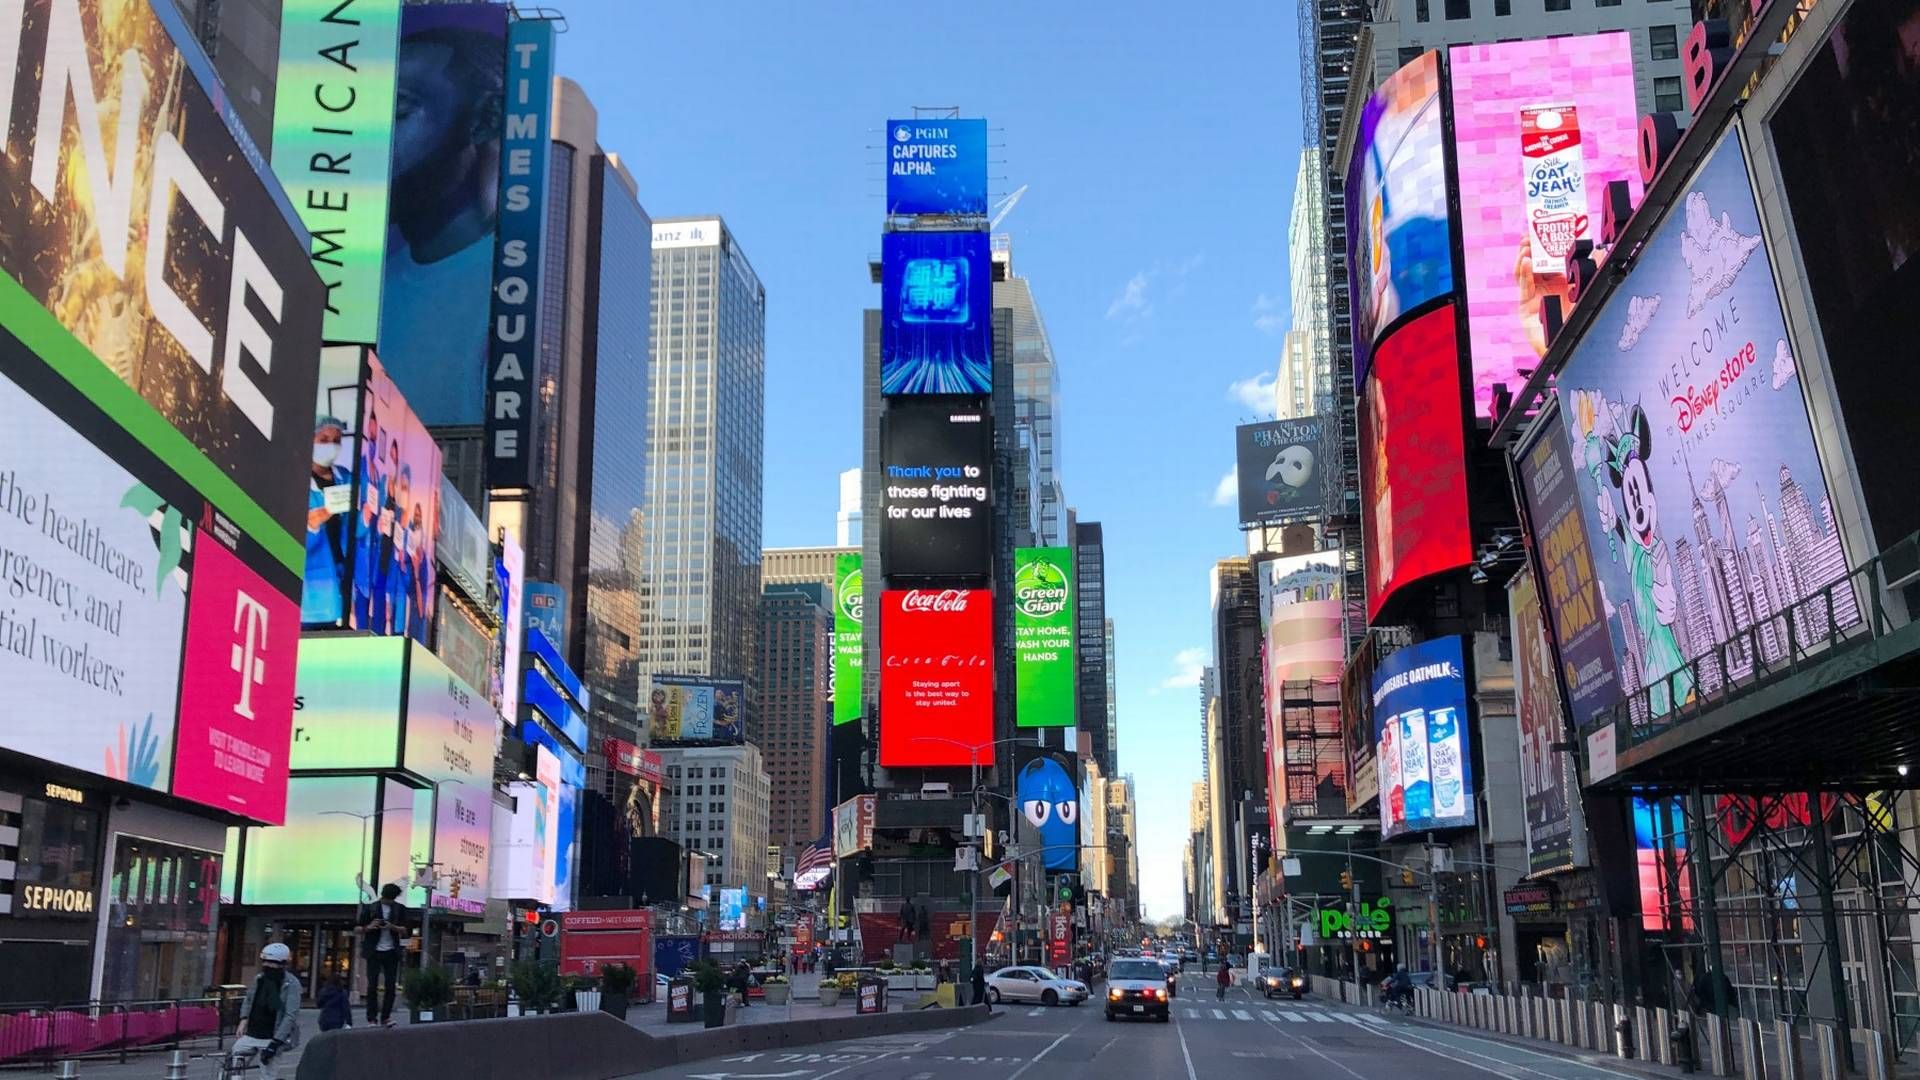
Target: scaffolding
x=1313 y=755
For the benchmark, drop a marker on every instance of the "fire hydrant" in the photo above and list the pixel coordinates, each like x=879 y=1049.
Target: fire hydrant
x=1623 y=1030
x=1682 y=1040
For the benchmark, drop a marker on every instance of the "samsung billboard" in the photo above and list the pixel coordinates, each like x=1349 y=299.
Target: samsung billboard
x=936 y=499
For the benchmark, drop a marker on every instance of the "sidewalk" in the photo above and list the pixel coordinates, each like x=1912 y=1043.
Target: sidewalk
x=203 y=1054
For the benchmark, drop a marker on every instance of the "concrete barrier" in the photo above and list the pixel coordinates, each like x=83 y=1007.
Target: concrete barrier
x=1879 y=1061
x=1826 y=1043
x=1753 y=1059
x=579 y=1046
x=1719 y=1051
x=1786 y=1051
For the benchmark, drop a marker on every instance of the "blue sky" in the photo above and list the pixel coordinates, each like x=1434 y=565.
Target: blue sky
x=1159 y=142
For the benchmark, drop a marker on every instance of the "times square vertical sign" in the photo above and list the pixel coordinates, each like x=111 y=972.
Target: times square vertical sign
x=513 y=331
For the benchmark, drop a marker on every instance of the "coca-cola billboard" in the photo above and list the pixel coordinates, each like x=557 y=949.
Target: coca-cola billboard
x=936 y=677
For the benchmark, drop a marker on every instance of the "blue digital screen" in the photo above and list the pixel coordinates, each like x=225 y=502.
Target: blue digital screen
x=1420 y=739
x=936 y=166
x=936 y=334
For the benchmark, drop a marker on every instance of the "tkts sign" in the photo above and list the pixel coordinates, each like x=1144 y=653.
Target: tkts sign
x=936 y=677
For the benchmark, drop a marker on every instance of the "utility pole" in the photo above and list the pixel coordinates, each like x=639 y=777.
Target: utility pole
x=1433 y=917
x=1353 y=924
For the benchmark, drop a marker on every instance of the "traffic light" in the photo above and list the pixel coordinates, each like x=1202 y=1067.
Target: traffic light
x=1346 y=879
x=1406 y=877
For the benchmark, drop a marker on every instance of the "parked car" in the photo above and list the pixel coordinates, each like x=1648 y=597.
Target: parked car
x=1034 y=984
x=1139 y=987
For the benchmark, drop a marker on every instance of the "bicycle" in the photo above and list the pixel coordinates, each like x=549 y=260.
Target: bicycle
x=1401 y=1003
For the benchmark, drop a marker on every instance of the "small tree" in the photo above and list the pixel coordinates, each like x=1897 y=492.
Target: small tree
x=538 y=984
x=617 y=978
x=707 y=976
x=428 y=988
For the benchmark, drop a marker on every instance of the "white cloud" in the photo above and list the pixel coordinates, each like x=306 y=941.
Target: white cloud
x=1782 y=364
x=1135 y=302
x=1187 y=666
x=1269 y=314
x=1227 y=491
x=1132 y=303
x=1256 y=394
x=1714 y=252
x=1640 y=311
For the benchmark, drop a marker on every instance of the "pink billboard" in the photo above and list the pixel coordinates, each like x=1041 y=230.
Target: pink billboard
x=236 y=688
x=1540 y=128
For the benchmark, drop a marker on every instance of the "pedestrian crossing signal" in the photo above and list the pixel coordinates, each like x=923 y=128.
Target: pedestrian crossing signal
x=1346 y=879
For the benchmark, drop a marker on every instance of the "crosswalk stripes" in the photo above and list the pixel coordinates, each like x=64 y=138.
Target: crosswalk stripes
x=1242 y=1014
x=1218 y=1015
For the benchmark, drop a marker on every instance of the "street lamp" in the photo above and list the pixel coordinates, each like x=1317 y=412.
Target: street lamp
x=426 y=909
x=973 y=754
x=360 y=869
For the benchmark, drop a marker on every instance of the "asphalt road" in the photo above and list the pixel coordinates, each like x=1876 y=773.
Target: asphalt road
x=1242 y=1036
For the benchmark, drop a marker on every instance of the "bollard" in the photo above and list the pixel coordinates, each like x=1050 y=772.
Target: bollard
x=1879 y=1062
x=69 y=1070
x=1643 y=1033
x=176 y=1066
x=1826 y=1042
x=1661 y=1046
x=1719 y=1054
x=1681 y=1038
x=1753 y=1061
x=1563 y=1021
x=1786 y=1048
x=1602 y=1029
x=1623 y=1033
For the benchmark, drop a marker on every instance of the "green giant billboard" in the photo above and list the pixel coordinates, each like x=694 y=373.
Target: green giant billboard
x=1043 y=636
x=847 y=642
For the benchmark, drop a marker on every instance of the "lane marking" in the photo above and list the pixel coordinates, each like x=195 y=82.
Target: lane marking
x=1036 y=1012
x=1035 y=1060
x=1317 y=1052
x=1407 y=1037
x=1181 y=1030
x=1584 y=1060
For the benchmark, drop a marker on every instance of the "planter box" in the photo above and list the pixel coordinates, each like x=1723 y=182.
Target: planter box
x=776 y=993
x=829 y=994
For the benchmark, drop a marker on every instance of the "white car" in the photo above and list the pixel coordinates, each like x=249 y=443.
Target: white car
x=1034 y=984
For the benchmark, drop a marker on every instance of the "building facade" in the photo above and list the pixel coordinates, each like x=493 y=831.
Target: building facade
x=1036 y=396
x=705 y=449
x=846 y=521
x=796 y=654
x=719 y=806
x=1091 y=629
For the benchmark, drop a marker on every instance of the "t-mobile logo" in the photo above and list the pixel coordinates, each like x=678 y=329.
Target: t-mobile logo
x=249 y=661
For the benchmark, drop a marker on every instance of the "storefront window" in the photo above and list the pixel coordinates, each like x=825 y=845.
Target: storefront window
x=58 y=849
x=163 y=906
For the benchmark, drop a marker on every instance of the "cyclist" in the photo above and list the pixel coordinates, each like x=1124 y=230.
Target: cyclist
x=270 y=1013
x=1398 y=987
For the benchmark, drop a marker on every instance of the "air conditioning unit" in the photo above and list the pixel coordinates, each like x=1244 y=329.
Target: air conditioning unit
x=936 y=790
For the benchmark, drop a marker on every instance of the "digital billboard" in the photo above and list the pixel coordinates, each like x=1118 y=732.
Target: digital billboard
x=528 y=837
x=332 y=145
x=97 y=559
x=1848 y=147
x=1539 y=129
x=695 y=709
x=443 y=206
x=1420 y=737
x=1043 y=635
x=853 y=826
x=347 y=703
x=733 y=909
x=514 y=329
x=398 y=507
x=937 y=166
x=1278 y=465
x=936 y=313
x=236 y=687
x=1412 y=454
x=1046 y=795
x=547 y=612
x=1551 y=796
x=172 y=263
x=1304 y=650
x=329 y=538
x=849 y=649
x=511 y=574
x=451 y=736
x=325 y=848
x=1686 y=391
x=1549 y=489
x=460 y=544
x=936 y=677
x=1399 y=245
x=936 y=495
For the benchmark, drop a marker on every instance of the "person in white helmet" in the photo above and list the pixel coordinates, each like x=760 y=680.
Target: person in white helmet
x=270 y=1013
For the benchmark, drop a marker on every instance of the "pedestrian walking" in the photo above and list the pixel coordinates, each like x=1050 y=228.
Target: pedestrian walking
x=270 y=1013
x=382 y=927
x=1224 y=979
x=980 y=986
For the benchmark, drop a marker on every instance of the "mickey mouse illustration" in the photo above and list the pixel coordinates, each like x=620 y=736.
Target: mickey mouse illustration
x=1616 y=456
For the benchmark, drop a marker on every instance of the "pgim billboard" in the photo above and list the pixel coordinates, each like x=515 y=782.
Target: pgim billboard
x=1043 y=636
x=937 y=166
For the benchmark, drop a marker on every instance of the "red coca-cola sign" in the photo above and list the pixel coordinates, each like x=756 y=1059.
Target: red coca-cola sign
x=936 y=677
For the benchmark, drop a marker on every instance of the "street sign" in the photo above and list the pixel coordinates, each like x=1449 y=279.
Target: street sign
x=550 y=928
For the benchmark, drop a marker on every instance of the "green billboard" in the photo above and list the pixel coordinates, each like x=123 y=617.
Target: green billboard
x=333 y=115
x=848 y=655
x=1043 y=636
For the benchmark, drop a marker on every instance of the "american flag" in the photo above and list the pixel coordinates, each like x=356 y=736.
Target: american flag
x=815 y=864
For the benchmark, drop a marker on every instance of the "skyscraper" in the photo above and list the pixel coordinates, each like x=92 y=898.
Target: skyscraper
x=619 y=265
x=846 y=523
x=1036 y=395
x=796 y=654
x=704 y=455
x=1090 y=573
x=1307 y=360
